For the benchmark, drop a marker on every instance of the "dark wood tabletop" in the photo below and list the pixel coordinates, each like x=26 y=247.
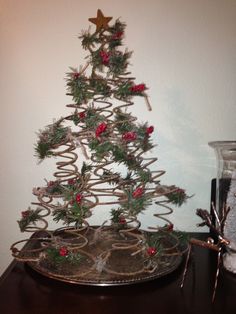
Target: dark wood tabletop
x=23 y=291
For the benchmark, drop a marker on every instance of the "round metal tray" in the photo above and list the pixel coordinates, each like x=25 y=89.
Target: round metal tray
x=122 y=267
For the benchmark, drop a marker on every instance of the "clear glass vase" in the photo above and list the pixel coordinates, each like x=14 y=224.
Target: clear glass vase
x=226 y=195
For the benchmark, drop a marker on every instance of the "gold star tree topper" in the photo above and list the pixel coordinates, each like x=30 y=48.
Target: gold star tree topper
x=100 y=21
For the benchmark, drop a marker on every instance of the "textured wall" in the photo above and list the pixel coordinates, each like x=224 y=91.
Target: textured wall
x=184 y=50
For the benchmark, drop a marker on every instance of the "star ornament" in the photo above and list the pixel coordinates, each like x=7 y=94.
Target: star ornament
x=100 y=21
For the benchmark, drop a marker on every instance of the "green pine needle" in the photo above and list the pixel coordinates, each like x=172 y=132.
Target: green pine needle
x=73 y=258
x=89 y=40
x=30 y=217
x=85 y=168
x=51 y=137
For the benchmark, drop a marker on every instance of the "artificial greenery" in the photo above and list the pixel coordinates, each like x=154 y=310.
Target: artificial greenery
x=75 y=213
x=50 y=138
x=118 y=63
x=29 y=218
x=78 y=87
x=92 y=118
x=85 y=168
x=116 y=214
x=135 y=204
x=179 y=238
x=100 y=86
x=177 y=197
x=89 y=40
x=59 y=256
x=55 y=187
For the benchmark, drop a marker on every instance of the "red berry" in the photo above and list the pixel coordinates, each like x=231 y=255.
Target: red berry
x=78 y=198
x=82 y=115
x=25 y=213
x=180 y=191
x=149 y=130
x=170 y=227
x=105 y=56
x=71 y=181
x=138 y=88
x=63 y=251
x=151 y=251
x=76 y=75
x=138 y=192
x=100 y=129
x=122 y=220
x=129 y=136
x=117 y=35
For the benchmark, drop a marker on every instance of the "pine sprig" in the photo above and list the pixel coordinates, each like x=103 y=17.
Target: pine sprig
x=123 y=121
x=144 y=176
x=85 y=168
x=43 y=150
x=60 y=215
x=59 y=256
x=154 y=240
x=111 y=177
x=89 y=40
x=116 y=214
x=135 y=204
x=79 y=88
x=183 y=238
x=117 y=32
x=123 y=92
x=100 y=86
x=29 y=217
x=96 y=60
x=77 y=213
x=49 y=138
x=118 y=27
x=103 y=149
x=55 y=188
x=93 y=118
x=74 y=214
x=118 y=63
x=177 y=197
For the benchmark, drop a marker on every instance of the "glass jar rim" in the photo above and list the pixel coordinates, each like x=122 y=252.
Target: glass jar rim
x=222 y=144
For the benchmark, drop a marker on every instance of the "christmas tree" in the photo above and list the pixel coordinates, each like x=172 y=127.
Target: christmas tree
x=101 y=159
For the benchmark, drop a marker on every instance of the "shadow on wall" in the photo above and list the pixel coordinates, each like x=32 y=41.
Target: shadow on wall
x=184 y=154
x=181 y=141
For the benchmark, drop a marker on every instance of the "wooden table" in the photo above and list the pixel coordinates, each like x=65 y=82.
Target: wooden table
x=24 y=291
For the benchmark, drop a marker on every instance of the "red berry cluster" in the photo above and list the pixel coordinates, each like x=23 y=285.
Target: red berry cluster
x=122 y=220
x=71 y=181
x=105 y=57
x=180 y=191
x=138 y=88
x=129 y=136
x=25 y=213
x=82 y=115
x=76 y=75
x=117 y=36
x=149 y=130
x=170 y=227
x=138 y=193
x=63 y=251
x=78 y=198
x=151 y=251
x=101 y=128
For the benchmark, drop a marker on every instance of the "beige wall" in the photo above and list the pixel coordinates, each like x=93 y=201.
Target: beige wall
x=184 y=50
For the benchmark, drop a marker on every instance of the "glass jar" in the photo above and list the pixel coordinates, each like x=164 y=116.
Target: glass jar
x=226 y=195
